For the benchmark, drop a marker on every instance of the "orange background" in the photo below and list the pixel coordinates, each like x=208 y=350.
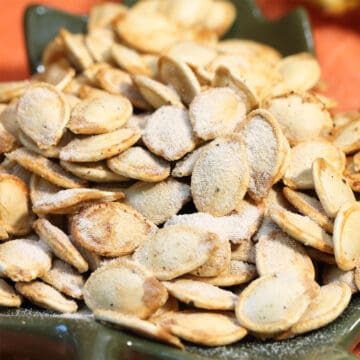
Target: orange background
x=337 y=41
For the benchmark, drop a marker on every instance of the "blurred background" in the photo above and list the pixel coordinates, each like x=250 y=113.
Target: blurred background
x=335 y=23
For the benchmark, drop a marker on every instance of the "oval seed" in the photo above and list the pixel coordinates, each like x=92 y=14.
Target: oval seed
x=125 y=287
x=110 y=229
x=23 y=259
x=347 y=236
x=221 y=176
x=100 y=115
x=42 y=114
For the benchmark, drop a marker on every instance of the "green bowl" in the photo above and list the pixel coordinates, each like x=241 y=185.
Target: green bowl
x=36 y=334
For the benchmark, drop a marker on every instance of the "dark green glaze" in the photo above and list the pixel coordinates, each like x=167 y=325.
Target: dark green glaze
x=290 y=34
x=30 y=334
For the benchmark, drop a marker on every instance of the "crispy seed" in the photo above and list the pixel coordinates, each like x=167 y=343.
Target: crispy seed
x=129 y=60
x=205 y=328
x=221 y=176
x=23 y=259
x=65 y=279
x=172 y=304
x=95 y=261
x=241 y=46
x=118 y=82
x=324 y=308
x=46 y=296
x=357 y=275
x=75 y=49
x=45 y=168
x=180 y=76
x=351 y=175
x=142 y=327
x=263 y=143
x=329 y=103
x=244 y=221
x=59 y=74
x=99 y=147
x=41 y=188
x=347 y=136
x=221 y=16
x=52 y=151
x=300 y=71
x=302 y=229
x=255 y=71
x=301 y=116
x=42 y=113
x=168 y=133
x=204 y=77
x=100 y=115
x=8 y=119
x=11 y=90
x=309 y=206
x=151 y=62
x=158 y=202
x=237 y=273
x=299 y=173
x=91 y=73
x=93 y=171
x=15 y=214
x=90 y=92
x=331 y=188
x=125 y=287
x=356 y=160
x=285 y=160
x=216 y=112
x=341 y=119
x=200 y=35
x=150 y=33
x=99 y=44
x=70 y=200
x=201 y=295
x=137 y=122
x=239 y=225
x=346 y=236
x=266 y=229
x=8 y=296
x=218 y=261
x=145 y=7
x=274 y=303
x=279 y=253
x=60 y=244
x=155 y=93
x=225 y=77
x=185 y=13
x=244 y=251
x=203 y=221
x=110 y=229
x=276 y=198
x=138 y=163
x=7 y=140
x=331 y=273
x=53 y=51
x=3 y=233
x=101 y=15
x=13 y=168
x=191 y=53
x=75 y=85
x=175 y=250
x=185 y=166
